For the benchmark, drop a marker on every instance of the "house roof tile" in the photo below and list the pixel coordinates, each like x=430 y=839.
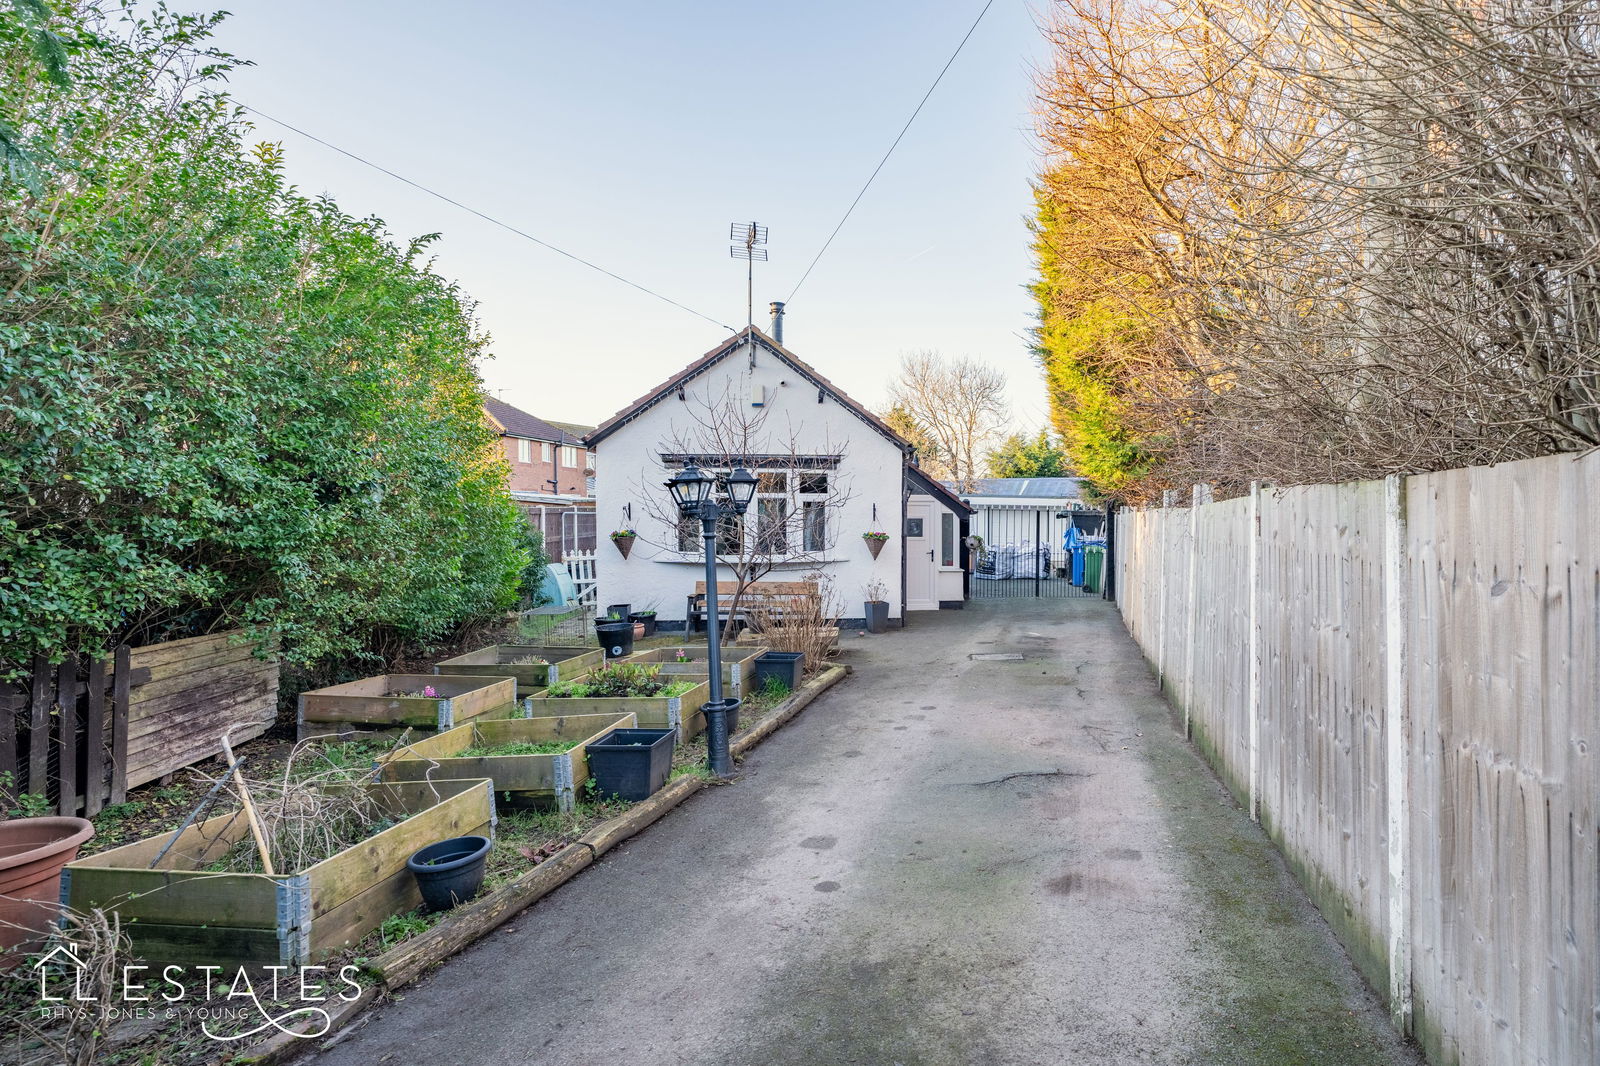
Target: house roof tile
x=515 y=422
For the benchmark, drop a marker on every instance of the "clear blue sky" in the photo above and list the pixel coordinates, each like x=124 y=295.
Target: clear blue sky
x=633 y=133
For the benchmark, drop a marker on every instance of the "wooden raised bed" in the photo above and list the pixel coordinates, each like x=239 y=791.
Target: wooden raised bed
x=520 y=780
x=738 y=663
x=181 y=913
x=500 y=660
x=363 y=705
x=654 y=712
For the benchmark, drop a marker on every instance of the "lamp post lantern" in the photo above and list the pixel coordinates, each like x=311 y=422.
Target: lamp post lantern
x=711 y=498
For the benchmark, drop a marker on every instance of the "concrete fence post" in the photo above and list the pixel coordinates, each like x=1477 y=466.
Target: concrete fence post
x=1397 y=737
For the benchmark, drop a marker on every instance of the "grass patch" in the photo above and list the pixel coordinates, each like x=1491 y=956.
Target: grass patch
x=518 y=747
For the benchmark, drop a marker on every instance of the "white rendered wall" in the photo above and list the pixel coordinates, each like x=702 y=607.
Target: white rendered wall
x=656 y=575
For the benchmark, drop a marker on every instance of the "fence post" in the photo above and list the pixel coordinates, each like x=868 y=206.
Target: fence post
x=1253 y=693
x=1168 y=498
x=1198 y=495
x=1397 y=736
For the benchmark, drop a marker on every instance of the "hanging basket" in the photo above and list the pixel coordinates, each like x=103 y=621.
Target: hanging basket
x=624 y=544
x=875 y=545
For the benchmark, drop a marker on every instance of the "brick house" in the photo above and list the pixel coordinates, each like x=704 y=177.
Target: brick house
x=552 y=475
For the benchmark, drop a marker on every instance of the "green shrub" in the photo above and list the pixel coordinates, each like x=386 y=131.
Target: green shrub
x=221 y=402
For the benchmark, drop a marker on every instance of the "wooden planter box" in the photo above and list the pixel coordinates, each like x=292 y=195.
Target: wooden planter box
x=520 y=780
x=738 y=663
x=652 y=712
x=181 y=913
x=362 y=705
x=499 y=660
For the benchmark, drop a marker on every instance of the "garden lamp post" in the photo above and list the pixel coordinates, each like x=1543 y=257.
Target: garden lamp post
x=711 y=498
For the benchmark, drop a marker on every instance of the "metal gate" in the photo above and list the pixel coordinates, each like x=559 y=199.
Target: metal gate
x=1018 y=552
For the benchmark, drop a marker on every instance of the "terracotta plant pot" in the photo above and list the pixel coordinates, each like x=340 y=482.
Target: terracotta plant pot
x=624 y=544
x=874 y=545
x=32 y=853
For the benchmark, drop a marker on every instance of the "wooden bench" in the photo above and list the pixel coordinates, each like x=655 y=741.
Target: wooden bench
x=769 y=598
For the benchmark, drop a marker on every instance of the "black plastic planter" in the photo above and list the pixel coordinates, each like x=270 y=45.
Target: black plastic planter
x=785 y=666
x=619 y=610
x=877 y=616
x=451 y=871
x=616 y=638
x=632 y=763
x=649 y=620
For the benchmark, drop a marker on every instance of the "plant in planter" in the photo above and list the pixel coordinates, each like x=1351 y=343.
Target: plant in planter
x=623 y=539
x=875 y=541
x=645 y=617
x=427 y=692
x=661 y=702
x=619 y=681
x=877 y=607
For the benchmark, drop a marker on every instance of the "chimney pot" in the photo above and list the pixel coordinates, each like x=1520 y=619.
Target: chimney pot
x=777 y=321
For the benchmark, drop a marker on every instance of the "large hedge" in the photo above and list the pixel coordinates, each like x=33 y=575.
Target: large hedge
x=221 y=401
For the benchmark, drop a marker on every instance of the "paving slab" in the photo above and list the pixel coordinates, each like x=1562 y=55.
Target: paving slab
x=991 y=844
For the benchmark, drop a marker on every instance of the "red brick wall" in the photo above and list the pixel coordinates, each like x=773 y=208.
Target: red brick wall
x=534 y=476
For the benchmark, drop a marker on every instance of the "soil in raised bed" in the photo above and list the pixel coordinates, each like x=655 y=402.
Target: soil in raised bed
x=518 y=747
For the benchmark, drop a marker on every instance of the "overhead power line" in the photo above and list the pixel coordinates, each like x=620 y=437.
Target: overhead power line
x=892 y=147
x=487 y=218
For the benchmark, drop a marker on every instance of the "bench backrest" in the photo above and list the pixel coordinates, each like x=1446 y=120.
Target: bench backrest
x=769 y=590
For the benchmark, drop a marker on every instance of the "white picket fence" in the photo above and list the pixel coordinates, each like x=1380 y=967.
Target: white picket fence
x=1401 y=679
x=581 y=565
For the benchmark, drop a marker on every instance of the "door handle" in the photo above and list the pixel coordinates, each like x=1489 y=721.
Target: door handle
x=930 y=554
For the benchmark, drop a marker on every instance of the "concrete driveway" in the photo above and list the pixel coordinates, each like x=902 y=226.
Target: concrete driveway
x=944 y=860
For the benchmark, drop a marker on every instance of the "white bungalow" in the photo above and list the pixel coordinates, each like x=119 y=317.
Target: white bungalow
x=830 y=471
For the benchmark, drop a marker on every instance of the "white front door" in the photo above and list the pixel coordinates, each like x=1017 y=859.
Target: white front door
x=919 y=558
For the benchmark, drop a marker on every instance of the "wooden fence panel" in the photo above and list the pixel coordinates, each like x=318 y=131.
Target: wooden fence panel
x=1323 y=738
x=188 y=693
x=1505 y=704
x=1217 y=691
x=1447 y=633
x=54 y=732
x=63 y=737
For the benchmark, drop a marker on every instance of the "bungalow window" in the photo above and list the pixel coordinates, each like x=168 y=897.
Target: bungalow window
x=814 y=525
x=689 y=535
x=730 y=535
x=524 y=451
x=772 y=525
x=947 y=539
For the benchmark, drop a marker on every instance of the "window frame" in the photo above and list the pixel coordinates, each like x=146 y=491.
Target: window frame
x=524 y=450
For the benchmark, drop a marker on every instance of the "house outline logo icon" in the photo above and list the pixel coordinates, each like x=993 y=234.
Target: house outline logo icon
x=51 y=956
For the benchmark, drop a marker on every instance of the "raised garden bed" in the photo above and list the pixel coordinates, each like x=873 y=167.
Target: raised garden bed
x=391 y=702
x=182 y=912
x=532 y=773
x=680 y=710
x=559 y=663
x=738 y=663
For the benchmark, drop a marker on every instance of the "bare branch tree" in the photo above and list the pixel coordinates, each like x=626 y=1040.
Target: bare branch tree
x=1349 y=239
x=958 y=404
x=793 y=523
